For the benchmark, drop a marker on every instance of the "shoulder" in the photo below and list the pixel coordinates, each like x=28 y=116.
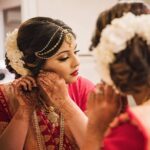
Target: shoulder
x=82 y=86
x=8 y=94
x=125 y=137
x=5 y=101
x=79 y=91
x=7 y=90
x=83 y=82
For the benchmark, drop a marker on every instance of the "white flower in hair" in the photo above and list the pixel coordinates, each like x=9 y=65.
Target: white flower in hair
x=114 y=39
x=14 y=54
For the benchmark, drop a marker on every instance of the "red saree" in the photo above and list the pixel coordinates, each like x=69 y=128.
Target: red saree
x=130 y=131
x=42 y=134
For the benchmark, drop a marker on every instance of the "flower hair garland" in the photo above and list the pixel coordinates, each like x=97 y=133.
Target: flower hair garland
x=114 y=39
x=14 y=54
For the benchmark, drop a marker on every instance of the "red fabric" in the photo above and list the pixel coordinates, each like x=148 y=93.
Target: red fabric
x=51 y=133
x=4 y=110
x=125 y=137
x=79 y=90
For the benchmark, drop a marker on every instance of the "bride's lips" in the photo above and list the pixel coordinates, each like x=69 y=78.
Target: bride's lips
x=75 y=73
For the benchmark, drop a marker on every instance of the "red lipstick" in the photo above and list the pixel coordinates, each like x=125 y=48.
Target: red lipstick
x=75 y=73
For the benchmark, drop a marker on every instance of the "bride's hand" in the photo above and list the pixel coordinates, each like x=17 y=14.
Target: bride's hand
x=53 y=87
x=25 y=90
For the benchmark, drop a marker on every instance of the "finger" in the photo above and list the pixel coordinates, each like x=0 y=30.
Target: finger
x=42 y=74
x=44 y=86
x=109 y=92
x=46 y=73
x=117 y=101
x=27 y=84
x=47 y=83
x=18 y=89
x=32 y=80
x=99 y=88
x=22 y=85
x=90 y=99
x=59 y=82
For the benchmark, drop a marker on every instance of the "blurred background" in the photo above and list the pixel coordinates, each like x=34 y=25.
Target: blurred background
x=79 y=14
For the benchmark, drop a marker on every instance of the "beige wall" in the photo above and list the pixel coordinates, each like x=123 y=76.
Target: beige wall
x=79 y=14
x=4 y=4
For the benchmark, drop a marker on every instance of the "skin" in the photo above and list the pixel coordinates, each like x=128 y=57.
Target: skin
x=53 y=79
x=64 y=62
x=105 y=103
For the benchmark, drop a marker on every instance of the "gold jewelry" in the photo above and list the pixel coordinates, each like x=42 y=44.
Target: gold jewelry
x=61 y=138
x=41 y=53
x=37 y=131
x=68 y=37
x=52 y=116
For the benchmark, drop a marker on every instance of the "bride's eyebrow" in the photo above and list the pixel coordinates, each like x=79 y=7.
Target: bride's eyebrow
x=65 y=51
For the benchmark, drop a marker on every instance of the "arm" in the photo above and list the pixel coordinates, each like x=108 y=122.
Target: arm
x=102 y=108
x=14 y=135
x=75 y=119
x=55 y=90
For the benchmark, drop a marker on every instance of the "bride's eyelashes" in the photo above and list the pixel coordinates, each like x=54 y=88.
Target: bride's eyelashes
x=62 y=59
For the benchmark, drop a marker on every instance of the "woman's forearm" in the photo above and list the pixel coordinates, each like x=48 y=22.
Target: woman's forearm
x=93 y=138
x=76 y=120
x=13 y=137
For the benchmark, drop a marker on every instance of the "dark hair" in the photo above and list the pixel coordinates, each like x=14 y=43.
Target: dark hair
x=131 y=69
x=116 y=11
x=33 y=36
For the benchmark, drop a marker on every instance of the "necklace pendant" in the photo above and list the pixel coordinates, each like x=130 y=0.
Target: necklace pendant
x=53 y=117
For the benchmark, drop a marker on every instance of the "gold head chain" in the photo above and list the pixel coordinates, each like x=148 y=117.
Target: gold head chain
x=68 y=38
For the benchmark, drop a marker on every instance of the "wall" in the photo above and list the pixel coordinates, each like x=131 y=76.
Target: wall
x=79 y=14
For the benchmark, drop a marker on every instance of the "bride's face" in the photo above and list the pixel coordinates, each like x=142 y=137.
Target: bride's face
x=65 y=62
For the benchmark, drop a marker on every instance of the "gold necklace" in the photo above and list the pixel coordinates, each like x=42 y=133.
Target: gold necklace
x=50 y=112
x=53 y=117
x=37 y=131
x=61 y=138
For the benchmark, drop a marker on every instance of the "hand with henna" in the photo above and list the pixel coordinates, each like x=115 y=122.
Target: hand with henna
x=53 y=88
x=102 y=107
x=25 y=90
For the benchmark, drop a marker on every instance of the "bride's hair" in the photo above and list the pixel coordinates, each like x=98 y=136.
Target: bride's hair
x=38 y=35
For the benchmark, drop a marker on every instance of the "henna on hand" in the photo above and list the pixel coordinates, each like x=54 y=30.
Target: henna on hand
x=25 y=90
x=53 y=87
